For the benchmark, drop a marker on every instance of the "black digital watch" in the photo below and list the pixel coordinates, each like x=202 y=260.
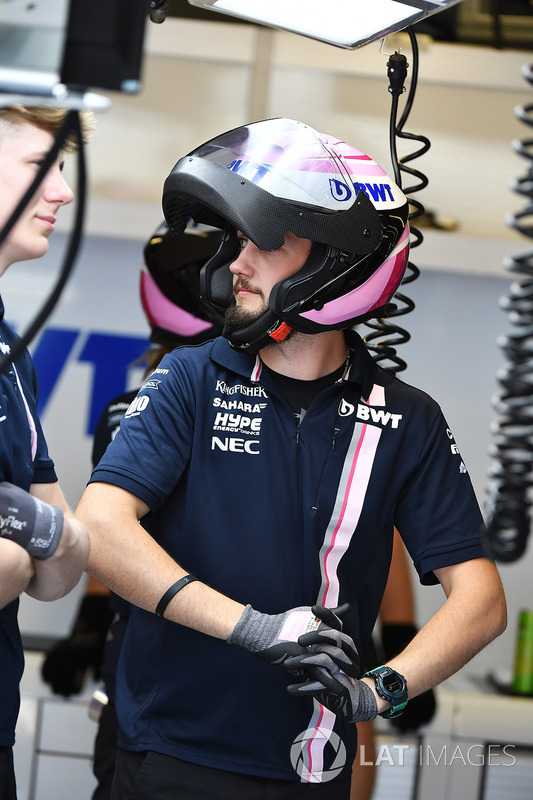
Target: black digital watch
x=392 y=687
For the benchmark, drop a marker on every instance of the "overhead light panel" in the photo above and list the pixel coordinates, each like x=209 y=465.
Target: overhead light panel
x=343 y=23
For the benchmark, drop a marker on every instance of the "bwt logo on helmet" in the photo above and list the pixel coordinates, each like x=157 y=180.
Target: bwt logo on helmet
x=339 y=190
x=377 y=192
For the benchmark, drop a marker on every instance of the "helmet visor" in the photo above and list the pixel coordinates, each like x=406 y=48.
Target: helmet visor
x=286 y=158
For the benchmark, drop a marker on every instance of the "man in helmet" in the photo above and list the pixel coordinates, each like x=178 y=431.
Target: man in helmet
x=266 y=471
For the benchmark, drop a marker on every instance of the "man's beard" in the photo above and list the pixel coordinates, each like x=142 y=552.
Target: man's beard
x=237 y=317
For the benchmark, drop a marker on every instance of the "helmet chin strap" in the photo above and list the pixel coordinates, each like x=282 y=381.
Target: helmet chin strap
x=281 y=333
x=268 y=328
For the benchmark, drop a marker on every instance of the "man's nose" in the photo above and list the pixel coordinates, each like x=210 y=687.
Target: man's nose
x=243 y=264
x=57 y=189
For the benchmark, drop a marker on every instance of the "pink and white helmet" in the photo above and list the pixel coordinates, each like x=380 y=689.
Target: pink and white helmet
x=276 y=175
x=170 y=285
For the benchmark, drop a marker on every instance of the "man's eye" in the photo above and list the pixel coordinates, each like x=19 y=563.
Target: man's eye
x=242 y=243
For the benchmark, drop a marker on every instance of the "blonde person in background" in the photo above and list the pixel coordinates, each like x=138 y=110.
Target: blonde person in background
x=43 y=548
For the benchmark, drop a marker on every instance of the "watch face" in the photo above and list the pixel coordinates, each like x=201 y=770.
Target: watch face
x=393 y=683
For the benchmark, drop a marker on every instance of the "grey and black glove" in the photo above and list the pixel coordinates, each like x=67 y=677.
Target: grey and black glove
x=34 y=525
x=333 y=668
x=274 y=637
x=329 y=639
x=350 y=699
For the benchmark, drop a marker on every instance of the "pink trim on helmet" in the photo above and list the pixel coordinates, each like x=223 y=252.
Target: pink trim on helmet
x=376 y=291
x=355 y=162
x=164 y=314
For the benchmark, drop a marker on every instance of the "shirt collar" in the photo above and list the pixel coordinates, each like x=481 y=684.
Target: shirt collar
x=362 y=370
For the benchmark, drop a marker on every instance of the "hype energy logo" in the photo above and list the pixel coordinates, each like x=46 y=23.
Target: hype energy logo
x=377 y=192
x=333 y=752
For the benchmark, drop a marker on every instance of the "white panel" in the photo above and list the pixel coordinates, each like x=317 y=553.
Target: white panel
x=514 y=782
x=24 y=750
x=66 y=728
x=64 y=779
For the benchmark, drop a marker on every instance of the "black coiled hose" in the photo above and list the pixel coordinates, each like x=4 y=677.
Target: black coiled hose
x=387 y=335
x=511 y=473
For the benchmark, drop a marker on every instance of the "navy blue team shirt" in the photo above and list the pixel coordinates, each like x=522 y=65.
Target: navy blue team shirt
x=24 y=460
x=275 y=514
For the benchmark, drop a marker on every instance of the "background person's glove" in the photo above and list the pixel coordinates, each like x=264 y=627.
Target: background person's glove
x=421 y=709
x=69 y=662
x=34 y=525
x=274 y=637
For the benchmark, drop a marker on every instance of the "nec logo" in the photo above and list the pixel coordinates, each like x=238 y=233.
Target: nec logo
x=232 y=445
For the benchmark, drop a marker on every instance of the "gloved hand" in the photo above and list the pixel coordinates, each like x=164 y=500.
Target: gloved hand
x=329 y=639
x=420 y=709
x=34 y=525
x=333 y=668
x=274 y=637
x=350 y=699
x=67 y=663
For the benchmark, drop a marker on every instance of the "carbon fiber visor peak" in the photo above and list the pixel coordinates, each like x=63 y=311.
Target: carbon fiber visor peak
x=264 y=189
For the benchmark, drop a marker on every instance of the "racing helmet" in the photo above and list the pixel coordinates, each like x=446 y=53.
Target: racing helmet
x=279 y=175
x=170 y=285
